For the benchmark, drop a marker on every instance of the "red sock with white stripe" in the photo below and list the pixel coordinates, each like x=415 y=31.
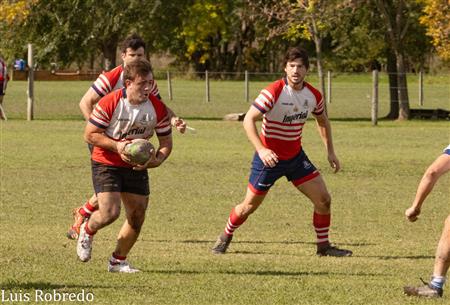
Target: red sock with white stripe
x=322 y=226
x=233 y=223
x=116 y=259
x=87 y=209
x=89 y=231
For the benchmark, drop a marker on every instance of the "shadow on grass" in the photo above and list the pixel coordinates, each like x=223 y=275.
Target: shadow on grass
x=14 y=285
x=265 y=273
x=384 y=257
x=290 y=242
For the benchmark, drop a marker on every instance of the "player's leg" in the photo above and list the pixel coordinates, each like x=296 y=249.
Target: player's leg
x=260 y=181
x=316 y=190
x=435 y=288
x=80 y=214
x=135 y=194
x=2 y=111
x=108 y=212
x=108 y=183
x=442 y=260
x=135 y=207
x=238 y=216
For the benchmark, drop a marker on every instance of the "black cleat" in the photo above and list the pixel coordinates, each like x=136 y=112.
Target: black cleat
x=222 y=243
x=333 y=251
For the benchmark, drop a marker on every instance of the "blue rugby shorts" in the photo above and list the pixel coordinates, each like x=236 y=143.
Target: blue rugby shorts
x=298 y=170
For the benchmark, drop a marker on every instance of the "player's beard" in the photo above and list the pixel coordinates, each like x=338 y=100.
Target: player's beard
x=297 y=82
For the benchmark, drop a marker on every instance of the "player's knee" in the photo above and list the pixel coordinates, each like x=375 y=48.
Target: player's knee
x=111 y=214
x=136 y=220
x=325 y=201
x=246 y=208
x=432 y=173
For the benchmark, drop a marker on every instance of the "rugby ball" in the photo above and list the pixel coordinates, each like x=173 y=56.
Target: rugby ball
x=139 y=151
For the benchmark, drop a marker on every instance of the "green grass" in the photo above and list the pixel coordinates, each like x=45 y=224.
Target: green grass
x=351 y=97
x=45 y=172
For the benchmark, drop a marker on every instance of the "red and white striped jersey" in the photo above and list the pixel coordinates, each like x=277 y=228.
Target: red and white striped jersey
x=122 y=120
x=113 y=80
x=285 y=111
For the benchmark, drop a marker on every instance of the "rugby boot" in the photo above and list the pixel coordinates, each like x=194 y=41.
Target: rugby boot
x=74 y=230
x=84 y=244
x=425 y=291
x=330 y=250
x=222 y=243
x=121 y=266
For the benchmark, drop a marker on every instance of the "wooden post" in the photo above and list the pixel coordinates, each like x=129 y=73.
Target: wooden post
x=329 y=87
x=375 y=97
x=421 y=87
x=30 y=91
x=169 y=85
x=208 y=97
x=247 y=98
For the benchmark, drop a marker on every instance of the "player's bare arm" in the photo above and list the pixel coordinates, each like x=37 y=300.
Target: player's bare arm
x=324 y=128
x=176 y=121
x=163 y=152
x=87 y=103
x=95 y=136
x=439 y=167
x=268 y=156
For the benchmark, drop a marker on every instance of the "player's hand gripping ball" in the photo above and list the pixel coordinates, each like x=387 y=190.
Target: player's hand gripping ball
x=139 y=151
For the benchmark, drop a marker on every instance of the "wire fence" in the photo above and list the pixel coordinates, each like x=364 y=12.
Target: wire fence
x=212 y=95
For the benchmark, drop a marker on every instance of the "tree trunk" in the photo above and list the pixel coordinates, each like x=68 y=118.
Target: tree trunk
x=109 y=49
x=393 y=92
x=318 y=44
x=402 y=87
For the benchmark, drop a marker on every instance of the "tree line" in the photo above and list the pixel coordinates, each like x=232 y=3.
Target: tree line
x=396 y=36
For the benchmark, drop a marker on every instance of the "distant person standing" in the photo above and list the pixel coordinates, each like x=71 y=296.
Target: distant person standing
x=284 y=107
x=434 y=288
x=4 y=78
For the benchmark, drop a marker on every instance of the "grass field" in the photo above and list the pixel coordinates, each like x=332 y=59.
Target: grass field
x=44 y=173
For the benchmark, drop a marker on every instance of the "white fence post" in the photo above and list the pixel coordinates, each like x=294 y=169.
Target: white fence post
x=247 y=98
x=329 y=87
x=169 y=85
x=30 y=91
x=375 y=97
x=208 y=97
x=421 y=87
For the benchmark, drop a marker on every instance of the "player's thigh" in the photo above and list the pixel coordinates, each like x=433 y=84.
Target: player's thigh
x=134 y=202
x=109 y=204
x=135 y=208
x=315 y=189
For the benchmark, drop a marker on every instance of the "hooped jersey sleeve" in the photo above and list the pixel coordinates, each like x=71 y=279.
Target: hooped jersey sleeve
x=269 y=96
x=102 y=114
x=163 y=127
x=320 y=107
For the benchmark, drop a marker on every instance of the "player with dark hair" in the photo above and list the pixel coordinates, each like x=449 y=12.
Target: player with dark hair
x=118 y=118
x=435 y=287
x=132 y=48
x=284 y=107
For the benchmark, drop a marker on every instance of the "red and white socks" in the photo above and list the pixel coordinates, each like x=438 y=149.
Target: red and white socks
x=116 y=259
x=234 y=222
x=322 y=227
x=87 y=209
